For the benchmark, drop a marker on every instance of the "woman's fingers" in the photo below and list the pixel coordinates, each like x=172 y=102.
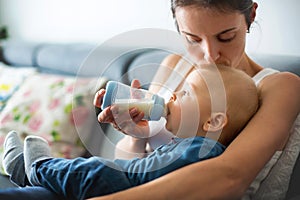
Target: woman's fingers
x=117 y=127
x=130 y=122
x=137 y=117
x=106 y=116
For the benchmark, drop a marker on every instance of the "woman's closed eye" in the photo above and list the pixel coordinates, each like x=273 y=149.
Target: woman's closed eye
x=192 y=41
x=226 y=37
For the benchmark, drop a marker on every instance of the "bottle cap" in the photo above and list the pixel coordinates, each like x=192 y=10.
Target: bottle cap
x=108 y=98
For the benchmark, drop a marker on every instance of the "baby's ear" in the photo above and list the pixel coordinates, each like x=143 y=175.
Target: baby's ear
x=216 y=122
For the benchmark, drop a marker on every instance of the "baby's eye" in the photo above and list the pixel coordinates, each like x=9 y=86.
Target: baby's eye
x=186 y=93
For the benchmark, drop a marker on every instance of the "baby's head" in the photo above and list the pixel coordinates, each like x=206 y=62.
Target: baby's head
x=217 y=103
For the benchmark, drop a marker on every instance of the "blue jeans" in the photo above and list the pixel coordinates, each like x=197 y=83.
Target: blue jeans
x=82 y=178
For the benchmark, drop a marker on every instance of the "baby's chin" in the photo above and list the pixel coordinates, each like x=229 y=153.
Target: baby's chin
x=169 y=128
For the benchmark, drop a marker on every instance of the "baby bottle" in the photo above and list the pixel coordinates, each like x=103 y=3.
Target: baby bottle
x=126 y=97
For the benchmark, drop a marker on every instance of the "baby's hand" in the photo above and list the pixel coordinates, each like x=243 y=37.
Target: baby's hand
x=105 y=116
x=98 y=98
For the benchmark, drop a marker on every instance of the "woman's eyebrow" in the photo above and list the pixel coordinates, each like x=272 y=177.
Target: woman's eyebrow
x=227 y=30
x=190 y=34
x=222 y=32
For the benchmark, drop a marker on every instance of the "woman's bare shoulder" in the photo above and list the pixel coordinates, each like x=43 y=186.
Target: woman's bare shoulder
x=284 y=87
x=286 y=75
x=279 y=99
x=283 y=81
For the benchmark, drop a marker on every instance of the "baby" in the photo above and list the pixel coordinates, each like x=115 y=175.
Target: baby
x=224 y=112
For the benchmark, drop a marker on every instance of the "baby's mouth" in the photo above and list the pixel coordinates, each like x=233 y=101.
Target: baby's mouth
x=167 y=110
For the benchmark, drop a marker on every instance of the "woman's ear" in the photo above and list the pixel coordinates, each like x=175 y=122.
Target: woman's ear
x=216 y=122
x=253 y=12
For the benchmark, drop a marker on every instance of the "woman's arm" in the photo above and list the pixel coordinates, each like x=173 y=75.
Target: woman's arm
x=230 y=174
x=129 y=147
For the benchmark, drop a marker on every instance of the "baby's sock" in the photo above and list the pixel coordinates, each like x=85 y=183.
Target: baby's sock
x=13 y=159
x=35 y=149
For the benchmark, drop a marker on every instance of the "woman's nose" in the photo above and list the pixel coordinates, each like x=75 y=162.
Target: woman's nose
x=210 y=51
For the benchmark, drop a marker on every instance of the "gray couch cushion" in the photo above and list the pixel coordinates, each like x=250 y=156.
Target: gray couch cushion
x=144 y=66
x=19 y=53
x=86 y=60
x=279 y=62
x=62 y=58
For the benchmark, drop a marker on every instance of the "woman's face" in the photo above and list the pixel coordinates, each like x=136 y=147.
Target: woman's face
x=212 y=36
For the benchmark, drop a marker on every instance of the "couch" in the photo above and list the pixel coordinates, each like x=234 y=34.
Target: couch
x=113 y=63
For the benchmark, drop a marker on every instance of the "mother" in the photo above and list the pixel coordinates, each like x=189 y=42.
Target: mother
x=215 y=31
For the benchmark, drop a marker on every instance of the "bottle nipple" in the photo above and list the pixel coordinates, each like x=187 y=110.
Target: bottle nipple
x=166 y=110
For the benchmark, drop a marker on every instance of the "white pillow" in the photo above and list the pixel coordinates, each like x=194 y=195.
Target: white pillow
x=54 y=107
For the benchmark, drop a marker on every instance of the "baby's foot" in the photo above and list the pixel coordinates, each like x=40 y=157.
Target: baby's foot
x=35 y=149
x=13 y=159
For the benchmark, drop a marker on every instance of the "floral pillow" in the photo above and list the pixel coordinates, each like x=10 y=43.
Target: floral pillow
x=57 y=108
x=10 y=80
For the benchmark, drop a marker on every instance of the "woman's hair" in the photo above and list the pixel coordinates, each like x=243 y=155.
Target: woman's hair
x=242 y=6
